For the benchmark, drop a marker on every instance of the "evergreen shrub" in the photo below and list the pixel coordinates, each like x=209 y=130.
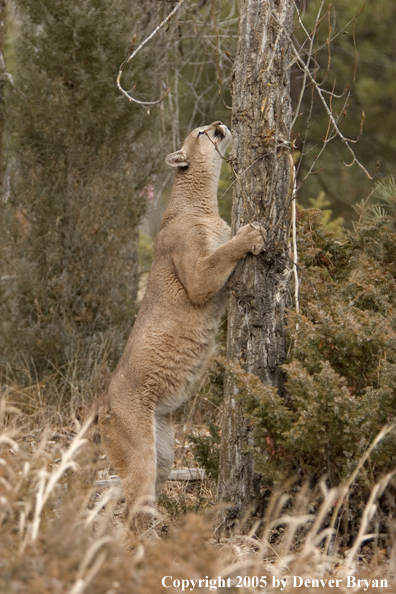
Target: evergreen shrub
x=341 y=367
x=79 y=159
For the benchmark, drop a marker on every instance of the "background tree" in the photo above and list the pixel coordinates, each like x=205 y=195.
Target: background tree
x=3 y=79
x=80 y=158
x=261 y=163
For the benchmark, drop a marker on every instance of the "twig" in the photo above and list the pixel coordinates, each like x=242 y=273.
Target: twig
x=344 y=140
x=303 y=87
x=133 y=54
x=295 y=253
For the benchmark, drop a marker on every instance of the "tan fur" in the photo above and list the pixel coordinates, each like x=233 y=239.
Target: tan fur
x=174 y=332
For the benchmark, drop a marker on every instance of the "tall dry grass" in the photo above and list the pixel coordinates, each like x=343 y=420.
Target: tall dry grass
x=65 y=391
x=59 y=534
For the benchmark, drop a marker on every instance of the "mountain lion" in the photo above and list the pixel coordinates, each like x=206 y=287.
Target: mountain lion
x=175 y=328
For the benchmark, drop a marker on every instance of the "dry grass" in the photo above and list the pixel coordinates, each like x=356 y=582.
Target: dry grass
x=61 y=535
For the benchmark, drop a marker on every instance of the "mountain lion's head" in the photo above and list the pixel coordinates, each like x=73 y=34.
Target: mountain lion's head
x=203 y=145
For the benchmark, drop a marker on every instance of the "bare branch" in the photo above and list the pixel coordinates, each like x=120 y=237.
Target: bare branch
x=311 y=38
x=133 y=54
x=344 y=140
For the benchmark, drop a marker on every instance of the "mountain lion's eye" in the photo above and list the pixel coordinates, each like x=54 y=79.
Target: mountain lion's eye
x=201 y=132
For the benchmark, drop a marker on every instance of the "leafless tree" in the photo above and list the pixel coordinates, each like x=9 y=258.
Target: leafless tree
x=261 y=162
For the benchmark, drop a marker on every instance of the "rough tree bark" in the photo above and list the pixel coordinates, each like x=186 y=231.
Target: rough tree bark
x=261 y=127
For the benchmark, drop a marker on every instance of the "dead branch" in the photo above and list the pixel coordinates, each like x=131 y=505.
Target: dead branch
x=133 y=54
x=346 y=141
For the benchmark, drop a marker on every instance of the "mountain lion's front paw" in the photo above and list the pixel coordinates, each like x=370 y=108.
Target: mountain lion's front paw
x=259 y=238
x=254 y=236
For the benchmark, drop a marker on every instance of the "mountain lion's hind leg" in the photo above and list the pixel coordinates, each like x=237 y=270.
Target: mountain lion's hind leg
x=129 y=440
x=164 y=436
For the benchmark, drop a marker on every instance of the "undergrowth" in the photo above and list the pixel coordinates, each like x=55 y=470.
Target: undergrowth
x=341 y=368
x=206 y=449
x=341 y=365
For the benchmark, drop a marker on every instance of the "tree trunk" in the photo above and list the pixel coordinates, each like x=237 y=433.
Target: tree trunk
x=261 y=127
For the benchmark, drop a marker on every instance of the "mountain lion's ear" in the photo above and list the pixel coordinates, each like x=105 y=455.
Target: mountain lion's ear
x=177 y=159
